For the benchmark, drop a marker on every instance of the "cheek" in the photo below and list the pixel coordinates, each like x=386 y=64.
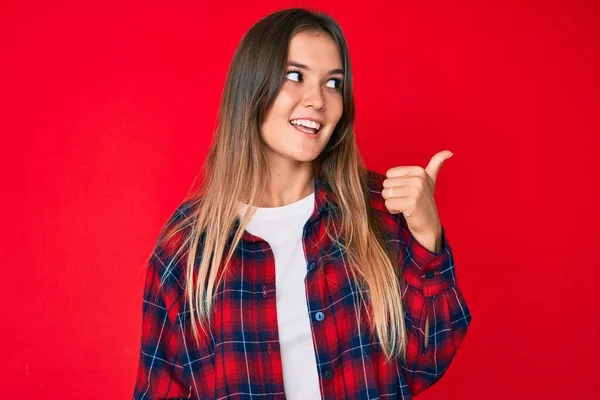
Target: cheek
x=285 y=101
x=335 y=108
x=276 y=119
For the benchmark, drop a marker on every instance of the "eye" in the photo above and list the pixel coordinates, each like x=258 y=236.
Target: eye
x=300 y=77
x=338 y=83
x=299 y=73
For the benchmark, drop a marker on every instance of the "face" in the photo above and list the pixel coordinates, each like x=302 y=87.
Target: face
x=310 y=95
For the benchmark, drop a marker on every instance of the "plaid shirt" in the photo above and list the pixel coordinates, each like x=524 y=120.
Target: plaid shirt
x=240 y=358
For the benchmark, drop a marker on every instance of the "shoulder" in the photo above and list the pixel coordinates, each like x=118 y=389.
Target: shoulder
x=177 y=227
x=375 y=186
x=375 y=179
x=170 y=251
x=181 y=215
x=392 y=222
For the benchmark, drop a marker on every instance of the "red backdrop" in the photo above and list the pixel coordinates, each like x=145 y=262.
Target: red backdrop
x=106 y=114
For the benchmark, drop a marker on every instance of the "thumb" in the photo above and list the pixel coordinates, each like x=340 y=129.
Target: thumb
x=433 y=168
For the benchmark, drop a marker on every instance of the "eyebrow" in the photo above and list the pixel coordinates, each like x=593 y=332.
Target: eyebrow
x=302 y=66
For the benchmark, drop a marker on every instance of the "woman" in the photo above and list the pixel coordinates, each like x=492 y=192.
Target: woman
x=295 y=272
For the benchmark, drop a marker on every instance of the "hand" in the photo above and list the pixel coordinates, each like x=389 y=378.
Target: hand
x=409 y=190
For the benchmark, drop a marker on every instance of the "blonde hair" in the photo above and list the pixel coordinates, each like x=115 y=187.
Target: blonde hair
x=236 y=168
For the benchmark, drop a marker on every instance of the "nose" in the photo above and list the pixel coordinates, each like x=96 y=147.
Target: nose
x=314 y=98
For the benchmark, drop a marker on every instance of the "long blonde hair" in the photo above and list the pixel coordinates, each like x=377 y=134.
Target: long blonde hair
x=236 y=168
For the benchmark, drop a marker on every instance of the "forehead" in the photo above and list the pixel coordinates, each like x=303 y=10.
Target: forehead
x=316 y=50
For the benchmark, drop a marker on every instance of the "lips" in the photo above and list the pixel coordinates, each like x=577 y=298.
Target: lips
x=308 y=122
x=305 y=129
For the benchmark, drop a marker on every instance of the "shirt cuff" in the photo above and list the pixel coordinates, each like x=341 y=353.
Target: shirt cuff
x=429 y=271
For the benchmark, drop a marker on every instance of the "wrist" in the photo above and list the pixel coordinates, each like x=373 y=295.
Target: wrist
x=432 y=242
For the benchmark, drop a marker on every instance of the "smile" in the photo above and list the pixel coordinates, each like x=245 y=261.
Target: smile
x=306 y=126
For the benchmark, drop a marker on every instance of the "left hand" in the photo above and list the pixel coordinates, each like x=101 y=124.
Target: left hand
x=409 y=190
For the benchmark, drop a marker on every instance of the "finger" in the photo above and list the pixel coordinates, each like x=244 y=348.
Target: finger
x=398 y=191
x=400 y=171
x=397 y=205
x=399 y=181
x=433 y=168
x=411 y=181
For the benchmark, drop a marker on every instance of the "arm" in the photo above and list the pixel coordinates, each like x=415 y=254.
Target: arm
x=437 y=317
x=160 y=373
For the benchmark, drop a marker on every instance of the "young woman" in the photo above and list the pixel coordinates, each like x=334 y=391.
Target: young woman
x=294 y=272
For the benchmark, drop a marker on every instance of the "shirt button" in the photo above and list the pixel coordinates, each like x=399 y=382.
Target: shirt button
x=311 y=265
x=328 y=374
x=429 y=274
x=319 y=316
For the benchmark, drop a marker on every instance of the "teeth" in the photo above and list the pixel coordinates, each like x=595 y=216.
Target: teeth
x=307 y=123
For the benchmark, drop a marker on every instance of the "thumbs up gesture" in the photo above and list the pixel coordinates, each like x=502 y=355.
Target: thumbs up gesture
x=409 y=190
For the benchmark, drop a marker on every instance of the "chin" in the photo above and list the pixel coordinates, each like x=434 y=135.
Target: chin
x=303 y=157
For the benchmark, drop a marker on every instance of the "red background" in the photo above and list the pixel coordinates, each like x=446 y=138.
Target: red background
x=106 y=114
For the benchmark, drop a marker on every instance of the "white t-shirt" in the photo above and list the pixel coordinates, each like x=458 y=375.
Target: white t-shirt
x=282 y=227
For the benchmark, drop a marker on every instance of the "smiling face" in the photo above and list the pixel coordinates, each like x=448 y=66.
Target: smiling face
x=310 y=96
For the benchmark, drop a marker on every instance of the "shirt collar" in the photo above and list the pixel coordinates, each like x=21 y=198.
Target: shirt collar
x=325 y=200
